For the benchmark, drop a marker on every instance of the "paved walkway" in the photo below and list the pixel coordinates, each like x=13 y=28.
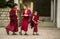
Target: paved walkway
x=45 y=33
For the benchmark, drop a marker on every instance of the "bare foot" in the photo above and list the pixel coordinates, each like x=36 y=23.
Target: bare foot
x=20 y=33
x=14 y=34
x=37 y=34
x=7 y=32
x=33 y=34
x=25 y=34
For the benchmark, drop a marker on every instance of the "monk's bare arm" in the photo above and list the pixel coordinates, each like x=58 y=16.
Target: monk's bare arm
x=16 y=13
x=33 y=19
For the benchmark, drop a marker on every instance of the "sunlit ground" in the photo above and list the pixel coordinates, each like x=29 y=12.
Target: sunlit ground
x=44 y=33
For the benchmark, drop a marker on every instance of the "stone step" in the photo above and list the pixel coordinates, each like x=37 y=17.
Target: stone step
x=46 y=24
x=45 y=18
x=4 y=18
x=4 y=22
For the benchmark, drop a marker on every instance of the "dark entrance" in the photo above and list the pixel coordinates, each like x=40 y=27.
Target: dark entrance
x=43 y=7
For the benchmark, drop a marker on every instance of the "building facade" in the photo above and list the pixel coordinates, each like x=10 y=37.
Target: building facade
x=53 y=8
x=55 y=11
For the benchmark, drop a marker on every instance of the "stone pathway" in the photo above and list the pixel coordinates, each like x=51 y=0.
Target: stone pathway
x=44 y=33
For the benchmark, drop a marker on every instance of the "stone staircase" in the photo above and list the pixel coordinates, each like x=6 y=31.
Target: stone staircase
x=4 y=19
x=46 y=22
x=4 y=16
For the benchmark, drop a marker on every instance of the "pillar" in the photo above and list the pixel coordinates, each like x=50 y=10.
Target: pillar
x=58 y=13
x=31 y=6
x=54 y=17
x=52 y=9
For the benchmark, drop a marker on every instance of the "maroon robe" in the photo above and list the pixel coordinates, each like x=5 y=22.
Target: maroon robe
x=30 y=14
x=24 y=21
x=36 y=18
x=32 y=23
x=13 y=25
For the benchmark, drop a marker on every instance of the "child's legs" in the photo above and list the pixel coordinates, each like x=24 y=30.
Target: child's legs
x=35 y=28
x=21 y=29
x=7 y=31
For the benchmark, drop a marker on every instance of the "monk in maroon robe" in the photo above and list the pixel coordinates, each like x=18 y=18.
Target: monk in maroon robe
x=25 y=18
x=13 y=25
x=34 y=23
x=30 y=14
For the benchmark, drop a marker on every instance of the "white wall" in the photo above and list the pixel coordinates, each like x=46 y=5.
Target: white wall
x=17 y=2
x=58 y=13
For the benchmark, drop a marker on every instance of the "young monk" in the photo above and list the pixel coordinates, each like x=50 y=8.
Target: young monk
x=25 y=18
x=13 y=25
x=34 y=23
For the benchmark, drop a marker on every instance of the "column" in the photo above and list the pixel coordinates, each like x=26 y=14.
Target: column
x=54 y=18
x=58 y=13
x=32 y=6
x=52 y=9
x=21 y=1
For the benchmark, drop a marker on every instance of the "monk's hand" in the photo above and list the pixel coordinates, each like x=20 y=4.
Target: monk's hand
x=38 y=21
x=25 y=15
x=35 y=22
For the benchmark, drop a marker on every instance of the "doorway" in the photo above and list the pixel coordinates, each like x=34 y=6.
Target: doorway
x=43 y=7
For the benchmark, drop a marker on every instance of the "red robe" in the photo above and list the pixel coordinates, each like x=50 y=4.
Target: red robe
x=13 y=25
x=33 y=25
x=24 y=21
